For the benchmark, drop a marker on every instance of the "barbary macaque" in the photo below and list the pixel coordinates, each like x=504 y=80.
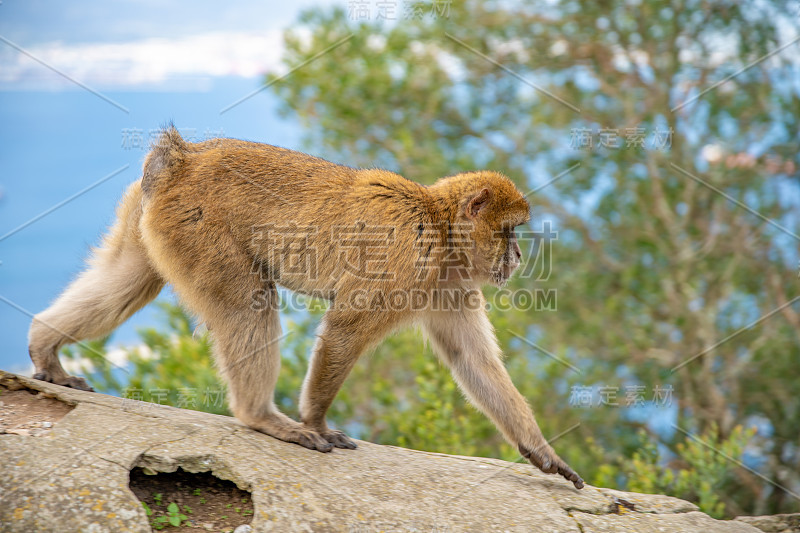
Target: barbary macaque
x=224 y=220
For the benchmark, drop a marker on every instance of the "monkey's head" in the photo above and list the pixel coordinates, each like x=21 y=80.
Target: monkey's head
x=492 y=207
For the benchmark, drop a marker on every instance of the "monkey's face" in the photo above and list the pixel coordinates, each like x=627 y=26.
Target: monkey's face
x=495 y=207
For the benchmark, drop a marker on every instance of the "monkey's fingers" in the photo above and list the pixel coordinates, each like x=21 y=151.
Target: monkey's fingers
x=570 y=475
x=339 y=439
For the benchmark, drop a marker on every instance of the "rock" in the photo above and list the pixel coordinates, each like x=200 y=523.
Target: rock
x=243 y=529
x=47 y=424
x=76 y=479
x=779 y=523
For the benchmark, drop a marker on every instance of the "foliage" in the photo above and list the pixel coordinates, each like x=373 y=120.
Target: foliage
x=171 y=367
x=698 y=471
x=174 y=517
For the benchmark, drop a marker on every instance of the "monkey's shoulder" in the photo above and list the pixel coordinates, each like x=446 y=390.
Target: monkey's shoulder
x=379 y=184
x=387 y=196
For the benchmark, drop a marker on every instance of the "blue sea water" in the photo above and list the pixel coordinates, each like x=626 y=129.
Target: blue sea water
x=53 y=145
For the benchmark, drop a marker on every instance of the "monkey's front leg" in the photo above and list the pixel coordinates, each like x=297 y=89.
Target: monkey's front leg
x=465 y=340
x=342 y=338
x=331 y=362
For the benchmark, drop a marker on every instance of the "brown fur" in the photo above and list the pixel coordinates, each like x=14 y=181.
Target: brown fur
x=224 y=220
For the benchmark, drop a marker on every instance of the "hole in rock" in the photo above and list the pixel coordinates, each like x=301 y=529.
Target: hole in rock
x=195 y=502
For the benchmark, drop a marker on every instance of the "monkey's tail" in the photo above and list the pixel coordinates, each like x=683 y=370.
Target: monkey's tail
x=165 y=156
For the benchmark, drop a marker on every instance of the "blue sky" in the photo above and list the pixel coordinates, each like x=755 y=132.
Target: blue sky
x=175 y=62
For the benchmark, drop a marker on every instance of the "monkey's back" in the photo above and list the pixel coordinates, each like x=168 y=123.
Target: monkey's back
x=304 y=222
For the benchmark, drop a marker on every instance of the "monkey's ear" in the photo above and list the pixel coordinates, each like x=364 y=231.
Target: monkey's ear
x=478 y=202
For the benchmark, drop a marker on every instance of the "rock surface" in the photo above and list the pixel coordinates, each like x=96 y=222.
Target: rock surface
x=779 y=523
x=74 y=477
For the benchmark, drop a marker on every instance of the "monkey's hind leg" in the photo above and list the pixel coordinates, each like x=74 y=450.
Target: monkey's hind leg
x=120 y=281
x=213 y=278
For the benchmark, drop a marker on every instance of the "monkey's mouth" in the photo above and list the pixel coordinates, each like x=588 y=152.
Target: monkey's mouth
x=500 y=274
x=498 y=279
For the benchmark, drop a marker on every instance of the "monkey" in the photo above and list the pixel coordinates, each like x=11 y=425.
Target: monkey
x=223 y=220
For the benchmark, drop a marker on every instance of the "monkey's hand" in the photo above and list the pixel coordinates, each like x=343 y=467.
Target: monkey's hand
x=546 y=460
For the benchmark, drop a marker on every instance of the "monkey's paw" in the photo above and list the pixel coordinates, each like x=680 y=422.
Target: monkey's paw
x=69 y=381
x=338 y=439
x=548 y=462
x=308 y=438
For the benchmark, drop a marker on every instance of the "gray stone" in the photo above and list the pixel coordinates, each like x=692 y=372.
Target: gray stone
x=634 y=522
x=76 y=479
x=779 y=523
